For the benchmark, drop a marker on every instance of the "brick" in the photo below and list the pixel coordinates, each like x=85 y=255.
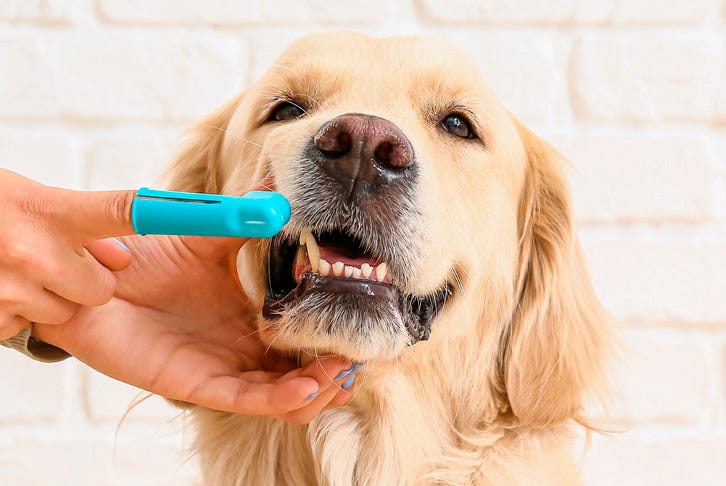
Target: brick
x=659 y=277
x=526 y=70
x=144 y=459
x=667 y=456
x=245 y=12
x=493 y=11
x=47 y=159
x=641 y=176
x=41 y=11
x=661 y=377
x=146 y=76
x=644 y=12
x=31 y=391
x=108 y=400
x=664 y=12
x=643 y=76
x=128 y=162
x=27 y=89
x=114 y=76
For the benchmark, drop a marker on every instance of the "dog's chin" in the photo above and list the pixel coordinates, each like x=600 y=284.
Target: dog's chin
x=319 y=312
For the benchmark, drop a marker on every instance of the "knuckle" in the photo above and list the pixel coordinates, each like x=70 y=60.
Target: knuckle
x=19 y=253
x=118 y=207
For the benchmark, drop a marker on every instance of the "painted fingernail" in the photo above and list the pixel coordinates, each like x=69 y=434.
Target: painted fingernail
x=313 y=395
x=353 y=369
x=349 y=382
x=121 y=244
x=343 y=374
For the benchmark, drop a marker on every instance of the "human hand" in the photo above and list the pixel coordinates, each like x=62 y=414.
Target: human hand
x=47 y=236
x=180 y=326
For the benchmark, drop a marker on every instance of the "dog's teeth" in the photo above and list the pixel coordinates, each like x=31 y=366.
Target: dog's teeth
x=324 y=268
x=366 y=270
x=300 y=257
x=338 y=268
x=302 y=239
x=381 y=271
x=348 y=271
x=313 y=250
x=357 y=272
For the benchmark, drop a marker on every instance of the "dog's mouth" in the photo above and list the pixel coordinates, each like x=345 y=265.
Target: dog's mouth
x=338 y=264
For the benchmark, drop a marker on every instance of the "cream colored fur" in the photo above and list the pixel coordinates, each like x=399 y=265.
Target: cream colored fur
x=492 y=396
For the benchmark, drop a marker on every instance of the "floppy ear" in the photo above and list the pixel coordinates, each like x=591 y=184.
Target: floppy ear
x=195 y=166
x=560 y=335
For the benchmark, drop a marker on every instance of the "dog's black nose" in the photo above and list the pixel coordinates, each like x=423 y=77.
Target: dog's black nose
x=363 y=151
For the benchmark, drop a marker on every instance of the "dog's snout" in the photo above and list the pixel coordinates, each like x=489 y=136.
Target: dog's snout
x=356 y=148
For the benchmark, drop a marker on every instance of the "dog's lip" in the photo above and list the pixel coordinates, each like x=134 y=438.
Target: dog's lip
x=313 y=282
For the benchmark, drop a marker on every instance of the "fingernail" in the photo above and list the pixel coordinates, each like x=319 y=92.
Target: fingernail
x=121 y=244
x=349 y=382
x=313 y=395
x=353 y=369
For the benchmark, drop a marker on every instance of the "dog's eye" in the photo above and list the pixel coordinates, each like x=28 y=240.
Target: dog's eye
x=286 y=111
x=458 y=125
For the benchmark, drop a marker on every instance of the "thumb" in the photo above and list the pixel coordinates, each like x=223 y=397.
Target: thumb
x=96 y=214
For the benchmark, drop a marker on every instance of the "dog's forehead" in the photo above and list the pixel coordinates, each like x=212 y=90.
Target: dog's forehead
x=337 y=57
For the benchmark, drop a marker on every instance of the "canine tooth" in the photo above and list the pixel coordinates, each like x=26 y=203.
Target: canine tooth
x=324 y=267
x=366 y=270
x=338 y=268
x=348 y=271
x=357 y=272
x=302 y=237
x=313 y=250
x=300 y=257
x=381 y=271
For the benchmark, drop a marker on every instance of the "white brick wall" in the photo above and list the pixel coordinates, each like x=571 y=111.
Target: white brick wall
x=93 y=94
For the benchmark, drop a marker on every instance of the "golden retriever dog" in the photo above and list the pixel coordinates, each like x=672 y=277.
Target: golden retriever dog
x=431 y=239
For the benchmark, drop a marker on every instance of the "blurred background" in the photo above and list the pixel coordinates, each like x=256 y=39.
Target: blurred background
x=94 y=94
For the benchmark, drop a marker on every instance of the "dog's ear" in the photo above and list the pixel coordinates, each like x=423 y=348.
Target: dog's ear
x=194 y=167
x=560 y=335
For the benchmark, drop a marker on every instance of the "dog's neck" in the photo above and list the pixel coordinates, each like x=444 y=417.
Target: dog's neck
x=401 y=424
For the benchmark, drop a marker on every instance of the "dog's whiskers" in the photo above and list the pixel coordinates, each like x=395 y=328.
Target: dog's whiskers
x=238 y=137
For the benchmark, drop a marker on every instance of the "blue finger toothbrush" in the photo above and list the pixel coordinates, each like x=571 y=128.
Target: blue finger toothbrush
x=257 y=214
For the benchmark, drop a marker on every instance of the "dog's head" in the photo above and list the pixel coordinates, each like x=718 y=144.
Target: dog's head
x=420 y=209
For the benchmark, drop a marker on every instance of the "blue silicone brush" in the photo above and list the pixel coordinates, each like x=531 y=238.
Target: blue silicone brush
x=257 y=214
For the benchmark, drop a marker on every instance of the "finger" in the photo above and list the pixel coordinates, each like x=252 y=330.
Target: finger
x=78 y=278
x=30 y=301
x=112 y=253
x=332 y=373
x=96 y=214
x=238 y=395
x=48 y=308
x=312 y=409
x=11 y=325
x=214 y=248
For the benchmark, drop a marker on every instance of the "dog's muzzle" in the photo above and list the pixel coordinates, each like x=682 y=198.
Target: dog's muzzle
x=355 y=229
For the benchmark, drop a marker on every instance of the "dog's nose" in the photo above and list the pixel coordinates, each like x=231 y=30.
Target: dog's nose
x=356 y=148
